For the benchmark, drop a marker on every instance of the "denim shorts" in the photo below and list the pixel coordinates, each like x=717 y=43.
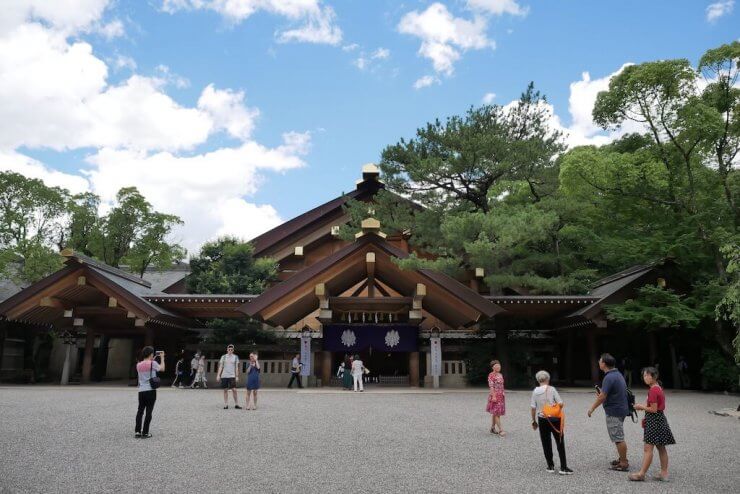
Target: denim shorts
x=615 y=427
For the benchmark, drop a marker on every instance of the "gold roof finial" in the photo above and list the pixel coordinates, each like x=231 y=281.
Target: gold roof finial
x=370 y=225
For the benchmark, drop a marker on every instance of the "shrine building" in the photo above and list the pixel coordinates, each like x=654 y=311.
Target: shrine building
x=333 y=297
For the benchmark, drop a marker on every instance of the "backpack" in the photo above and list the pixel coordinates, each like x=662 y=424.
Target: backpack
x=631 y=405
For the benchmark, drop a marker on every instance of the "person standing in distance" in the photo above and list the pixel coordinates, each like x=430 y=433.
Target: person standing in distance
x=613 y=395
x=358 y=369
x=295 y=371
x=228 y=375
x=147 y=369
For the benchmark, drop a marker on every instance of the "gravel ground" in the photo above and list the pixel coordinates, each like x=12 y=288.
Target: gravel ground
x=80 y=439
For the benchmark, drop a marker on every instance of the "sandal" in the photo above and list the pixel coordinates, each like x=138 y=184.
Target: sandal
x=621 y=468
x=493 y=430
x=636 y=477
x=502 y=433
x=614 y=463
x=660 y=478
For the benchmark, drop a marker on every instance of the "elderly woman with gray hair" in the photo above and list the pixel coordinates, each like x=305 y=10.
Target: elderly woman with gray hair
x=548 y=417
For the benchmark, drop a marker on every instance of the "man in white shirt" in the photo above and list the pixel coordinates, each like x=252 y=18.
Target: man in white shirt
x=358 y=368
x=295 y=371
x=228 y=374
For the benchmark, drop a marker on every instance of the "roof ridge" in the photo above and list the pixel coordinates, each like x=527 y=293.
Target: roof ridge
x=70 y=254
x=624 y=273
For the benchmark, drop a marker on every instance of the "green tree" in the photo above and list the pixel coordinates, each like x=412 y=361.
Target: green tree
x=228 y=265
x=481 y=190
x=31 y=215
x=133 y=232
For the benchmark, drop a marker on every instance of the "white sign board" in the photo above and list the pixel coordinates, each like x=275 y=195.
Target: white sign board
x=436 y=354
x=306 y=355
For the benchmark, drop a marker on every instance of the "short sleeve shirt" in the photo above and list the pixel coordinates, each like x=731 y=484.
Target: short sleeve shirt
x=616 y=394
x=229 y=364
x=655 y=395
x=146 y=370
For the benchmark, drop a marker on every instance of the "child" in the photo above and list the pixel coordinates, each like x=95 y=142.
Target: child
x=657 y=432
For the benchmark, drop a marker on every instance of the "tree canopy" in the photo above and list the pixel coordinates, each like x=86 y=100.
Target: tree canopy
x=38 y=221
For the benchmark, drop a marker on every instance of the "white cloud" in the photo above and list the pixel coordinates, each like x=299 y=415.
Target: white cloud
x=123 y=62
x=113 y=29
x=168 y=77
x=350 y=47
x=719 y=9
x=488 y=98
x=381 y=53
x=444 y=36
x=226 y=108
x=498 y=7
x=54 y=93
x=66 y=16
x=426 y=81
x=206 y=190
x=317 y=21
x=365 y=61
x=19 y=163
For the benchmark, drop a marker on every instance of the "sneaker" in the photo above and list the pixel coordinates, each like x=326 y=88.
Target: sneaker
x=137 y=435
x=566 y=471
x=237 y=407
x=550 y=469
x=226 y=407
x=146 y=436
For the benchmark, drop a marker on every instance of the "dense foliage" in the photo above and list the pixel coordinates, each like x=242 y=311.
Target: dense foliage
x=495 y=189
x=37 y=221
x=227 y=265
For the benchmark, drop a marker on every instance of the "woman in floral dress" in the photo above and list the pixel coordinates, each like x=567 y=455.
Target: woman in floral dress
x=496 y=398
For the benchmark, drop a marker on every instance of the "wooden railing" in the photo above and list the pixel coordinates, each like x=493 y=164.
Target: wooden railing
x=266 y=367
x=454 y=368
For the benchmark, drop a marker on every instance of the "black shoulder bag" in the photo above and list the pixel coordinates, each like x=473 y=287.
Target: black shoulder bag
x=154 y=381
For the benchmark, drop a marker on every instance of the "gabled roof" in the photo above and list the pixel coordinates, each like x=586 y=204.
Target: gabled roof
x=316 y=215
x=609 y=288
x=125 y=287
x=300 y=284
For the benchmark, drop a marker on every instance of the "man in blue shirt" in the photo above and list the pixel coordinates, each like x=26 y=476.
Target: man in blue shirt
x=613 y=396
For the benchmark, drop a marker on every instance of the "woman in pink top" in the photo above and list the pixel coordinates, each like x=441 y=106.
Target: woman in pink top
x=496 y=398
x=657 y=431
x=147 y=368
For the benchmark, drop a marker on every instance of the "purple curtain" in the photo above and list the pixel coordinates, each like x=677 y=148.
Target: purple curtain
x=356 y=338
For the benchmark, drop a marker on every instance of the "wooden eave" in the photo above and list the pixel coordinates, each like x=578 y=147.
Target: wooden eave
x=289 y=301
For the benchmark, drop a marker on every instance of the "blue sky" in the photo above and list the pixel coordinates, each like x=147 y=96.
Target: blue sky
x=117 y=89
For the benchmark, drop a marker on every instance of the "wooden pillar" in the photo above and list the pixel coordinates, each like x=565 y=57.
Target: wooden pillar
x=65 y=368
x=677 y=384
x=653 y=345
x=502 y=349
x=325 y=368
x=87 y=358
x=593 y=355
x=148 y=336
x=570 y=346
x=3 y=335
x=414 y=369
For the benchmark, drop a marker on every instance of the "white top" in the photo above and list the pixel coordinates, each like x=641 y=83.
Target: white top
x=295 y=365
x=357 y=367
x=228 y=364
x=146 y=370
x=544 y=395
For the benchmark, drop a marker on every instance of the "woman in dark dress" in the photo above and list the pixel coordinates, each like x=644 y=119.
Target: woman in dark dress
x=253 y=380
x=657 y=431
x=347 y=376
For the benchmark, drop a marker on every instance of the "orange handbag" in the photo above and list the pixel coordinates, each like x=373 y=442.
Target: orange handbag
x=554 y=411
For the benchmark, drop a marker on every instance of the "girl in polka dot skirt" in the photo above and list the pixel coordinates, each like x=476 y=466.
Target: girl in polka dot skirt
x=657 y=431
